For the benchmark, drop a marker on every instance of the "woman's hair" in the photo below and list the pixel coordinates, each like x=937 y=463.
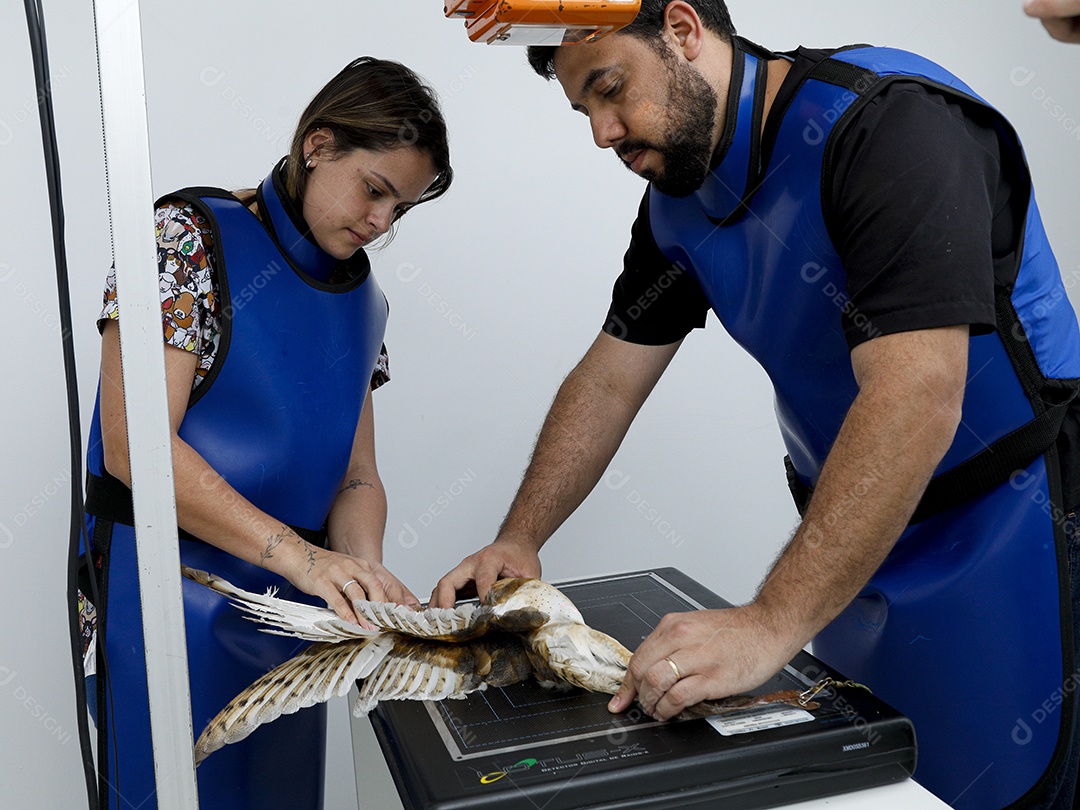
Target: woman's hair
x=377 y=105
x=647 y=25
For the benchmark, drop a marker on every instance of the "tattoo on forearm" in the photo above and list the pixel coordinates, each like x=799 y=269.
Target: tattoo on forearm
x=271 y=543
x=356 y=483
x=312 y=552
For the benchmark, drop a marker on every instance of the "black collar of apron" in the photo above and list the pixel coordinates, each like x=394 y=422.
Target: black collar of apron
x=285 y=222
x=734 y=174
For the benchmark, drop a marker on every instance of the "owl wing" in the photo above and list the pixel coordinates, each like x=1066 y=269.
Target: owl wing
x=417 y=669
x=312 y=623
x=461 y=623
x=513 y=605
x=286 y=618
x=315 y=675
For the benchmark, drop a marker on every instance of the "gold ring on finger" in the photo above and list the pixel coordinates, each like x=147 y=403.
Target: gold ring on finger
x=675 y=669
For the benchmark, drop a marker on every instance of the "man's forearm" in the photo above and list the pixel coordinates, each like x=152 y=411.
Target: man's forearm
x=591 y=414
x=579 y=437
x=891 y=441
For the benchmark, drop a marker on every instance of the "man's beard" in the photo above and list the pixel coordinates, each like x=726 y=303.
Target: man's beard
x=687 y=152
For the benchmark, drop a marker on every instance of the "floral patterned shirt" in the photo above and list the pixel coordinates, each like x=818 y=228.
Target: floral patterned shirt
x=190 y=310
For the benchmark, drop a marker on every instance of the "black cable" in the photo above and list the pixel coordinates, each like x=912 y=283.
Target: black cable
x=35 y=21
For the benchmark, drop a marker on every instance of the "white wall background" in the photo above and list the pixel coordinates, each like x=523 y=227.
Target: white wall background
x=496 y=291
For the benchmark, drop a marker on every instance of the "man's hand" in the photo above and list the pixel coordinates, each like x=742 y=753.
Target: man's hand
x=703 y=655
x=588 y=419
x=1061 y=18
x=503 y=558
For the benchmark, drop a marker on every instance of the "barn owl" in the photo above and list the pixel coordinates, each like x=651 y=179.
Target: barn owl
x=523 y=628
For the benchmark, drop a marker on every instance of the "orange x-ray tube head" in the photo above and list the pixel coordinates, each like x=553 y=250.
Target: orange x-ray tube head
x=541 y=22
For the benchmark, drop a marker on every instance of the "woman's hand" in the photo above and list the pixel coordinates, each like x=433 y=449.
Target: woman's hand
x=337 y=578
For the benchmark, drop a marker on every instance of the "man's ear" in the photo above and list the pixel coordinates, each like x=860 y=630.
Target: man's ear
x=683 y=29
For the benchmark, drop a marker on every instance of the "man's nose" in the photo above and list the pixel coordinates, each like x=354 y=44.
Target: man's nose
x=607 y=130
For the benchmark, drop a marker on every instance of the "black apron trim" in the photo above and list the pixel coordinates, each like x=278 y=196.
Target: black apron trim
x=355 y=269
x=843 y=74
x=727 y=137
x=1037 y=794
x=754 y=173
x=109 y=499
x=800 y=492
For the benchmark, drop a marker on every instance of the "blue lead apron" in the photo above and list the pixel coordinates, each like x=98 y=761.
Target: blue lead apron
x=966 y=627
x=275 y=417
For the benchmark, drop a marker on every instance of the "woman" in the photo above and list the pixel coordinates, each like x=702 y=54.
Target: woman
x=274 y=328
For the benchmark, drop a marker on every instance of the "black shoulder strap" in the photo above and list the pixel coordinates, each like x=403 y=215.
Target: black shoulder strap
x=191 y=194
x=843 y=74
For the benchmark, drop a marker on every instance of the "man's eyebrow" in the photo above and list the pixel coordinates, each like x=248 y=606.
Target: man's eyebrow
x=594 y=75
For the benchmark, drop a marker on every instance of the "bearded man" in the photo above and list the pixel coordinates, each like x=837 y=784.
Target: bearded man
x=925 y=400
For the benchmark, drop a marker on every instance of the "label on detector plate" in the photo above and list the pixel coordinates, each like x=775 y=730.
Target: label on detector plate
x=759 y=721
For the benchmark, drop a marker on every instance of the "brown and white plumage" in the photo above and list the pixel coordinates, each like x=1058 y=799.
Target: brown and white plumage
x=284 y=617
x=523 y=628
x=318 y=673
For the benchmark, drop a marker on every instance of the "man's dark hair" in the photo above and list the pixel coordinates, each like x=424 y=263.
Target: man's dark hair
x=647 y=25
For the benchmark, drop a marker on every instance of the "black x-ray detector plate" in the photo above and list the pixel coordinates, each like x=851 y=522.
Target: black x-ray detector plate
x=526 y=746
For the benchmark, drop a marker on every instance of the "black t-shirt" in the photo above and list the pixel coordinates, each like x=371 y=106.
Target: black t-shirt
x=924 y=206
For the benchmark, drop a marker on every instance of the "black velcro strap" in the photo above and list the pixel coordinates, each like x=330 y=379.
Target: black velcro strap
x=844 y=74
x=994 y=464
x=109 y=498
x=990 y=467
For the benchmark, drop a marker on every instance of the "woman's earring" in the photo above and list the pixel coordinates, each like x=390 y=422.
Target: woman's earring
x=307 y=161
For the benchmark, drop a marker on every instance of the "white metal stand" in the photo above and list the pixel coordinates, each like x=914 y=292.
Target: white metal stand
x=127 y=150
